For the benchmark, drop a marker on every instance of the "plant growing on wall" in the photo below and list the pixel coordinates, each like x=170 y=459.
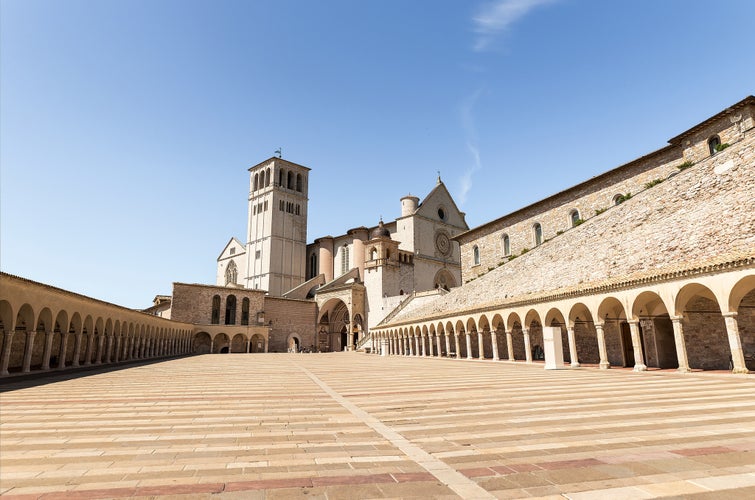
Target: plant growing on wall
x=600 y=211
x=622 y=198
x=721 y=147
x=652 y=183
x=685 y=165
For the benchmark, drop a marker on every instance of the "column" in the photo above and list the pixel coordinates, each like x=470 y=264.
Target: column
x=481 y=344
x=88 y=350
x=77 y=349
x=28 y=351
x=735 y=343
x=350 y=340
x=448 y=344
x=527 y=348
x=48 y=350
x=422 y=341
x=100 y=346
x=639 y=359
x=109 y=348
x=412 y=344
x=510 y=346
x=430 y=345
x=7 y=344
x=602 y=351
x=117 y=349
x=494 y=343
x=681 y=345
x=469 y=345
x=457 y=345
x=438 y=345
x=572 y=346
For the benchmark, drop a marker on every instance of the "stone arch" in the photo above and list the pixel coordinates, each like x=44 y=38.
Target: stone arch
x=293 y=342
x=655 y=331
x=740 y=289
x=333 y=326
x=498 y=325
x=534 y=325
x=255 y=184
x=221 y=343
x=703 y=328
x=585 y=334
x=514 y=327
x=444 y=280
x=483 y=326
x=461 y=333
x=202 y=343
x=612 y=314
x=238 y=343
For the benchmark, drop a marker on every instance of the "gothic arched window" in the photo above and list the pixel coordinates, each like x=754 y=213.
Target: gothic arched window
x=476 y=256
x=231 y=273
x=713 y=144
x=506 y=244
x=345 y=259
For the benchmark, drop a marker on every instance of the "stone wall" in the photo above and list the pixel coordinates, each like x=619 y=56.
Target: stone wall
x=193 y=303
x=290 y=317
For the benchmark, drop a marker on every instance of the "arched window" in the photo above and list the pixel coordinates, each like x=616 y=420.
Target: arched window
x=476 y=256
x=298 y=182
x=245 y=311
x=290 y=181
x=618 y=199
x=215 y=310
x=537 y=229
x=312 y=265
x=345 y=259
x=713 y=144
x=230 y=310
x=506 y=244
x=281 y=176
x=231 y=273
x=267 y=178
x=373 y=254
x=256 y=182
x=574 y=217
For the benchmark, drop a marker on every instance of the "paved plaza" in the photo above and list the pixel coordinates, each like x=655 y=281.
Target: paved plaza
x=357 y=426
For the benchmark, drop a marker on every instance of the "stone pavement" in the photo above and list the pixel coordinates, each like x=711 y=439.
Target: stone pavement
x=350 y=425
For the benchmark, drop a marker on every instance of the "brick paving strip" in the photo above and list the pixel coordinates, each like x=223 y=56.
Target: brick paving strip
x=458 y=482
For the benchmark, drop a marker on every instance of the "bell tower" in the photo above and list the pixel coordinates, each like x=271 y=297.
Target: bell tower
x=277 y=226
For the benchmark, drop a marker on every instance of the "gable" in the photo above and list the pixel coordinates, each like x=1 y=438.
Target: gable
x=440 y=206
x=232 y=249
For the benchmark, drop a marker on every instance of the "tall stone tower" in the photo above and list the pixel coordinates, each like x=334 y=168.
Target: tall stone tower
x=277 y=226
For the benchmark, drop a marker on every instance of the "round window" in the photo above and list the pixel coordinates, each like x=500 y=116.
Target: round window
x=442 y=214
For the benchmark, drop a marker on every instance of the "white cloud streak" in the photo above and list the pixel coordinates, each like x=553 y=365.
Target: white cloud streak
x=496 y=17
x=467 y=123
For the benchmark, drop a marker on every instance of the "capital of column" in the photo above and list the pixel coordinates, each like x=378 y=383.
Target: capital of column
x=729 y=315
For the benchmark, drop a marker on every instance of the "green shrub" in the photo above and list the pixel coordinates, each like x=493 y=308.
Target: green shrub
x=685 y=165
x=721 y=147
x=579 y=222
x=652 y=183
x=524 y=251
x=622 y=198
x=559 y=232
x=600 y=211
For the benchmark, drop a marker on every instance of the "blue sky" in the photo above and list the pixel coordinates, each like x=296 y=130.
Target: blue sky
x=126 y=127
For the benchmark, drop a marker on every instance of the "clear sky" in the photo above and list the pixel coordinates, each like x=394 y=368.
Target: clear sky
x=127 y=127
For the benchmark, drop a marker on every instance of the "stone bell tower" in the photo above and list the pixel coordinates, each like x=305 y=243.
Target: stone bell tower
x=277 y=226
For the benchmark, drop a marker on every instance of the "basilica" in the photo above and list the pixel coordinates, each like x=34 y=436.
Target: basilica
x=650 y=265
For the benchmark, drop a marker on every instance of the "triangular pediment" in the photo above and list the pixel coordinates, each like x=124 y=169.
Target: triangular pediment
x=231 y=249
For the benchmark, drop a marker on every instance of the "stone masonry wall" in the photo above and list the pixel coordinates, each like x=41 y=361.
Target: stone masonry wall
x=193 y=303
x=289 y=316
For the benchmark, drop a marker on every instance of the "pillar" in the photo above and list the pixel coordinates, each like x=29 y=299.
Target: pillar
x=117 y=348
x=639 y=359
x=469 y=345
x=494 y=343
x=63 y=349
x=681 y=345
x=480 y=345
x=457 y=344
x=448 y=344
x=422 y=341
x=28 y=351
x=572 y=346
x=48 y=350
x=7 y=344
x=412 y=345
x=510 y=346
x=100 y=348
x=325 y=257
x=602 y=351
x=77 y=349
x=438 y=345
x=527 y=348
x=735 y=343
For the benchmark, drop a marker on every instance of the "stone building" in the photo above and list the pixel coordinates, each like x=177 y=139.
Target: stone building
x=651 y=264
